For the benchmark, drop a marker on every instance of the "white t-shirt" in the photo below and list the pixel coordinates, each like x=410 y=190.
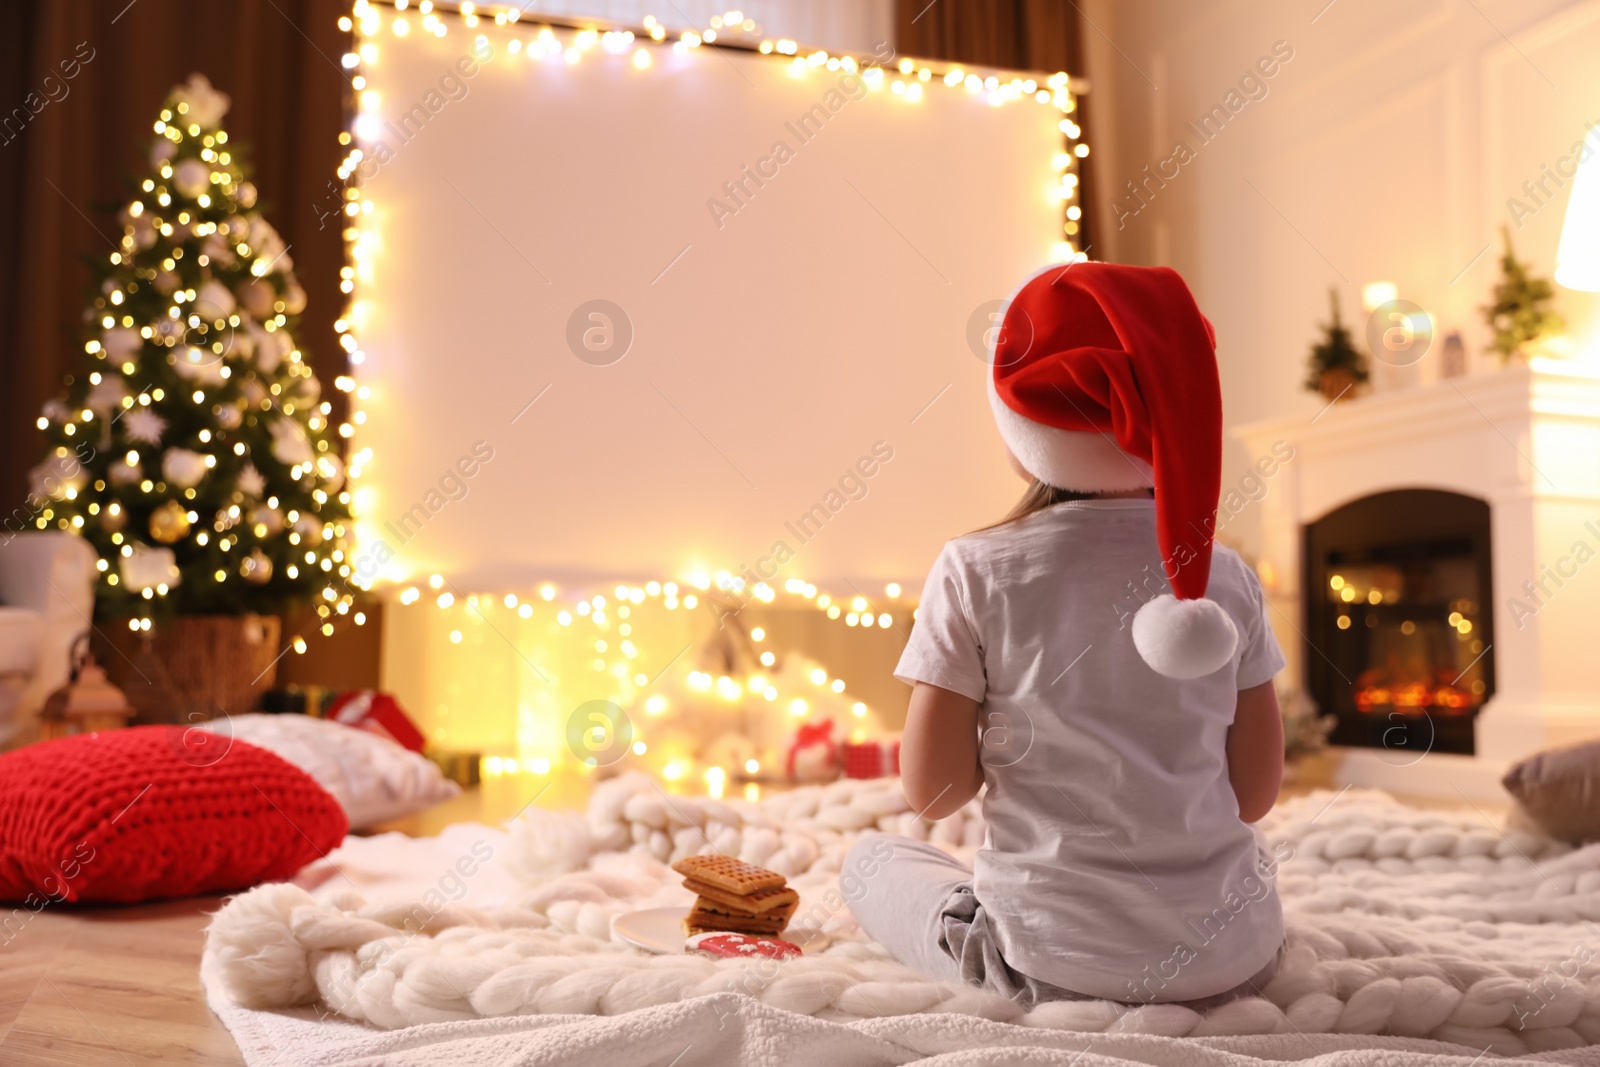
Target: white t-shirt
x=1115 y=863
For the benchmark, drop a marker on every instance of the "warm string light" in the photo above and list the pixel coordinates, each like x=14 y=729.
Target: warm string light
x=857 y=611
x=602 y=631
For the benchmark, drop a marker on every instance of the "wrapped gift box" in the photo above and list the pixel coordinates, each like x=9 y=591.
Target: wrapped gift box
x=877 y=758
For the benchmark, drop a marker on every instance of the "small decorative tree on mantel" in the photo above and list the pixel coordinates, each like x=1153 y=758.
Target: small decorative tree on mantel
x=1520 y=315
x=1336 y=365
x=194 y=451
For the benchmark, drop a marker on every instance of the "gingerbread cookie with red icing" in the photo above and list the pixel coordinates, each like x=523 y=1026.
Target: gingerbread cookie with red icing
x=720 y=945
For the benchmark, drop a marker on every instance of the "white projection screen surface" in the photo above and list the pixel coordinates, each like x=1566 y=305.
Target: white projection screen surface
x=773 y=352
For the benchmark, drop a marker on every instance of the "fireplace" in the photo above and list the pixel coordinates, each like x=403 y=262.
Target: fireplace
x=1400 y=619
x=1460 y=501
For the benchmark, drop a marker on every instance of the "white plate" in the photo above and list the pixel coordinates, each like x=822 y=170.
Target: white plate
x=661 y=930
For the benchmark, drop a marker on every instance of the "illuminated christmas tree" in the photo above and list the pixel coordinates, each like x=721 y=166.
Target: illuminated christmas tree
x=194 y=451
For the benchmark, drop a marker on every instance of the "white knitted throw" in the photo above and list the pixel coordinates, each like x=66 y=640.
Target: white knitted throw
x=1400 y=922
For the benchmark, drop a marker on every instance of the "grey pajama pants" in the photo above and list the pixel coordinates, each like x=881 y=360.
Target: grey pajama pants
x=916 y=900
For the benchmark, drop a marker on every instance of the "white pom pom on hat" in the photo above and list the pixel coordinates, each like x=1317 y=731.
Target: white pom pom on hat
x=1184 y=638
x=1104 y=378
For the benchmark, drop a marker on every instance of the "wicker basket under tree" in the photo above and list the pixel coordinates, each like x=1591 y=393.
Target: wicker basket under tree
x=194 y=667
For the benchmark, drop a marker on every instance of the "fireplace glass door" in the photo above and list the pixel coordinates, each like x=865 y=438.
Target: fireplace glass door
x=1399 y=619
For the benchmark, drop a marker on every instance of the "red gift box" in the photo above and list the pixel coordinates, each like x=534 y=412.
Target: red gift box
x=379 y=713
x=871 y=759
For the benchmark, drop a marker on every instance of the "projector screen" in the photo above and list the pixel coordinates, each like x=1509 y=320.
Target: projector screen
x=638 y=317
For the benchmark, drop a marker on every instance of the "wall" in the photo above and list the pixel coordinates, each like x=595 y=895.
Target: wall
x=1385 y=148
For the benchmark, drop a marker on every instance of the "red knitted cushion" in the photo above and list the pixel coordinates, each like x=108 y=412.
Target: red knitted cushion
x=155 y=811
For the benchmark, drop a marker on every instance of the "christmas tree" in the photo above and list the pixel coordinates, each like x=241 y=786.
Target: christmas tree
x=194 y=451
x=1520 y=313
x=1336 y=365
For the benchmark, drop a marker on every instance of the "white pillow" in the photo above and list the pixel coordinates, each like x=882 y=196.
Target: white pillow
x=371 y=777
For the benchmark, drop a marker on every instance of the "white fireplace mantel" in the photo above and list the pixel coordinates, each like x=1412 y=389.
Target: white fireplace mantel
x=1527 y=441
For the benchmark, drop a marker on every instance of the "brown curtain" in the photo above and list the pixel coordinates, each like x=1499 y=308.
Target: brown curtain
x=70 y=146
x=1039 y=35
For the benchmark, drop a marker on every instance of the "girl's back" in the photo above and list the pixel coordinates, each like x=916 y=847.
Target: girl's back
x=1116 y=864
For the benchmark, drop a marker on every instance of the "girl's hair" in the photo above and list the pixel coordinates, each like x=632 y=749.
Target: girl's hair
x=1037 y=497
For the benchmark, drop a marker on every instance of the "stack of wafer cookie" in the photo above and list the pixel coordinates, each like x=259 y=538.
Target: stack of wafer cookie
x=735 y=896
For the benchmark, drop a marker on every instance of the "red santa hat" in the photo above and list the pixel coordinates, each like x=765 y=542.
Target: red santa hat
x=1105 y=378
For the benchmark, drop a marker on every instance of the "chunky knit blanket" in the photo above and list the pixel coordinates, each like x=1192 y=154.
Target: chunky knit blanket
x=1401 y=922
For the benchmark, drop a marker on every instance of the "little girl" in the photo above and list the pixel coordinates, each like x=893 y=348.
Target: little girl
x=1120 y=667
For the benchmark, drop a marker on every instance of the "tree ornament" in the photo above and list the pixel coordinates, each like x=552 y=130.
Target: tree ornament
x=120 y=342
x=198 y=102
x=271 y=253
x=183 y=467
x=310 y=531
x=146 y=568
x=257 y=297
x=59 y=475
x=199 y=366
x=306 y=390
x=142 y=424
x=271 y=346
x=169 y=523
x=121 y=472
x=246 y=196
x=251 y=483
x=144 y=232
x=107 y=393
x=241 y=344
x=214 y=301
x=1520 y=314
x=330 y=469
x=160 y=152
x=290 y=446
x=1336 y=366
x=266 y=521
x=229 y=417
x=256 y=568
x=216 y=248
x=191 y=178
x=294 y=299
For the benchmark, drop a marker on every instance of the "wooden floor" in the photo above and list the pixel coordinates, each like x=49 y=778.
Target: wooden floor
x=108 y=986
x=91 y=986
x=83 y=987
